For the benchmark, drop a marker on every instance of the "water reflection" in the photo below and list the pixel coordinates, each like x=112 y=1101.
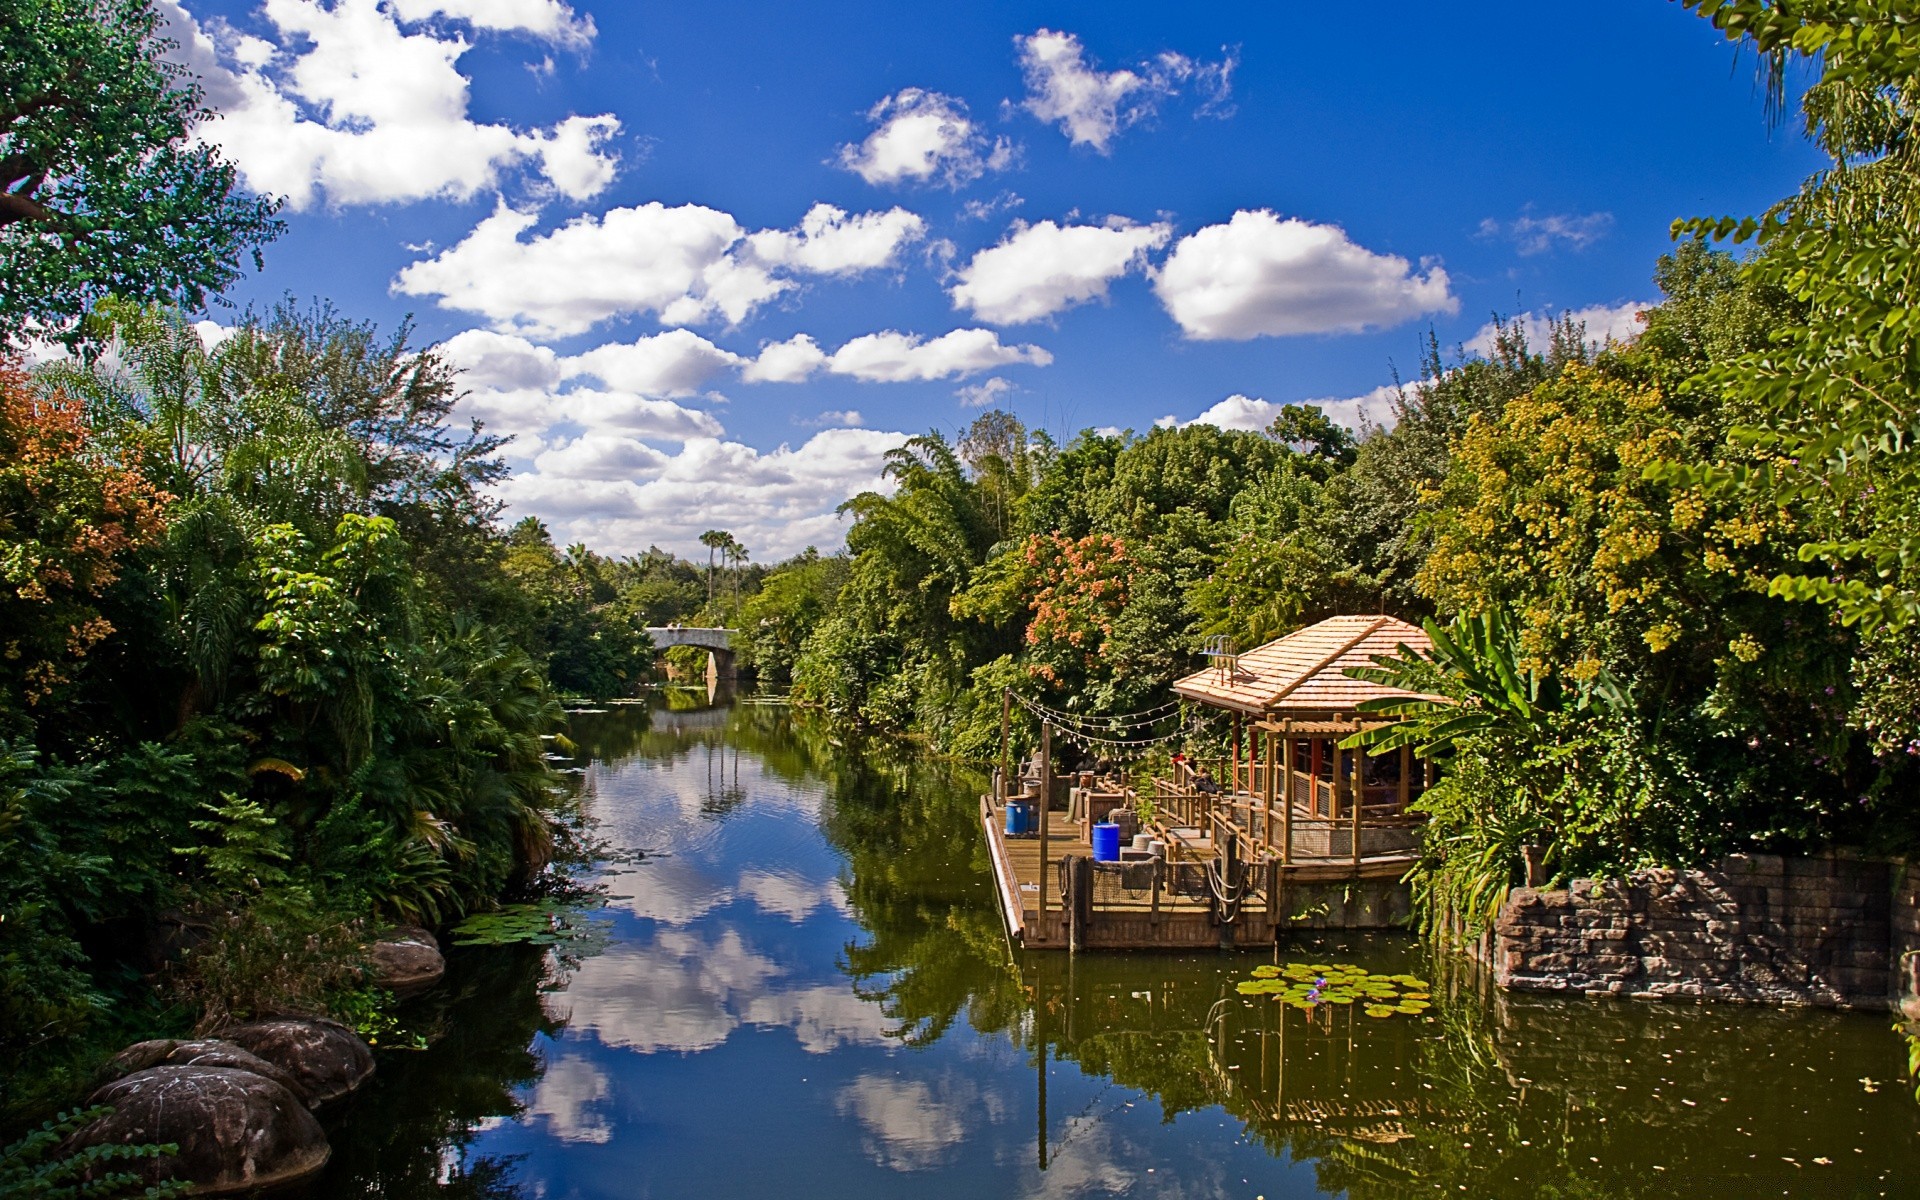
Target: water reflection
x=807 y=993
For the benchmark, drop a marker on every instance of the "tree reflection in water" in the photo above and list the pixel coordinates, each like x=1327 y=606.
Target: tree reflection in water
x=1490 y=1095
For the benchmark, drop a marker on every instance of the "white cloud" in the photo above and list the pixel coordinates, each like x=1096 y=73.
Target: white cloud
x=1038 y=270
x=1250 y=413
x=1602 y=323
x=776 y=501
x=894 y=357
x=849 y=418
x=675 y=363
x=515 y=386
x=1091 y=106
x=1537 y=235
x=984 y=393
x=830 y=242
x=548 y=20
x=922 y=135
x=1260 y=275
x=600 y=456
x=365 y=103
x=686 y=264
x=786 y=362
x=980 y=210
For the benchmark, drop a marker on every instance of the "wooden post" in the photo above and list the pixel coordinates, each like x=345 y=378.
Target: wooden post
x=1406 y=776
x=1233 y=758
x=1046 y=802
x=1286 y=804
x=1159 y=865
x=1079 y=901
x=1006 y=744
x=1357 y=796
x=1266 y=793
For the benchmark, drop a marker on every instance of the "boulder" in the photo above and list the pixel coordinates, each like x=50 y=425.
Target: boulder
x=198 y=1052
x=406 y=960
x=236 y=1131
x=325 y=1059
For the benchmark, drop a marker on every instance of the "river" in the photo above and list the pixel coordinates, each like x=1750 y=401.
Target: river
x=801 y=989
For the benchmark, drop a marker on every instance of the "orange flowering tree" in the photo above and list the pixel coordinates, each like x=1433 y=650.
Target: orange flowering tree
x=1076 y=589
x=69 y=515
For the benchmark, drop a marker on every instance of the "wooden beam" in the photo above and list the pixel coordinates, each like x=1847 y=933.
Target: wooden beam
x=1046 y=802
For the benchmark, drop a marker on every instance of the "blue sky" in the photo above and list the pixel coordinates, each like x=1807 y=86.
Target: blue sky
x=708 y=262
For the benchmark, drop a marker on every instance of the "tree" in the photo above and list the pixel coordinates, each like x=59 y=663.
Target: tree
x=715 y=540
x=68 y=518
x=102 y=191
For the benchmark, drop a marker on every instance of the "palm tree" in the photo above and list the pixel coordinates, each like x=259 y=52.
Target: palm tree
x=714 y=540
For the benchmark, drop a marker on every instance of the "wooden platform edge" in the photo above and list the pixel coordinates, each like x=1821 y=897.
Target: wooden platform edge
x=1012 y=912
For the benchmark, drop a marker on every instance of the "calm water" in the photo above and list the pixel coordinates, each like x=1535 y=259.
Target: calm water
x=805 y=992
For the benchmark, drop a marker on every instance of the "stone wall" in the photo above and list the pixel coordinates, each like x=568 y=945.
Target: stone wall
x=1906 y=938
x=1762 y=929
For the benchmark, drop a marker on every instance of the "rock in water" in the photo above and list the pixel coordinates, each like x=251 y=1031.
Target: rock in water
x=407 y=960
x=325 y=1058
x=237 y=1131
x=199 y=1052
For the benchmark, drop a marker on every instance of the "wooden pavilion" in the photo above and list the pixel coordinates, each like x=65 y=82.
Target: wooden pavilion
x=1290 y=831
x=1292 y=704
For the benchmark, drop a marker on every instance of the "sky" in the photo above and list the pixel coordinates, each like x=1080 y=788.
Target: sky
x=706 y=263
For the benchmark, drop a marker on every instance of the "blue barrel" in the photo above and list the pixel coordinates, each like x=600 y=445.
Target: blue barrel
x=1019 y=818
x=1106 y=843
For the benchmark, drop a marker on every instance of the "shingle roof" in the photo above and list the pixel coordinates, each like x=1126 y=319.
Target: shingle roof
x=1302 y=673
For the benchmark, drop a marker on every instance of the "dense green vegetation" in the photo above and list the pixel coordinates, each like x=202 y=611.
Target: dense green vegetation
x=1679 y=571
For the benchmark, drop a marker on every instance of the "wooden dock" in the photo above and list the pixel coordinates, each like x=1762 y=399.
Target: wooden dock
x=1178 y=903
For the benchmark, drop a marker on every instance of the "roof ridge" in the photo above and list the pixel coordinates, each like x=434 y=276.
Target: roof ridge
x=1373 y=625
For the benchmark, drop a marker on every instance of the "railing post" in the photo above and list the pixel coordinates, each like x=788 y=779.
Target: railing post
x=1286 y=805
x=1357 y=794
x=1046 y=802
x=1267 y=792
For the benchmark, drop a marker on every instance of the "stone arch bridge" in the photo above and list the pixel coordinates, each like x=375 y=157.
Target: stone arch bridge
x=718 y=643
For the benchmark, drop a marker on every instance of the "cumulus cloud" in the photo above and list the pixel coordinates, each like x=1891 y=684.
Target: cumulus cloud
x=1599 y=324
x=847 y=417
x=675 y=363
x=894 y=357
x=1038 y=270
x=986 y=392
x=828 y=241
x=1261 y=275
x=923 y=136
x=364 y=102
x=548 y=20
x=685 y=264
x=1237 y=411
x=777 y=501
x=790 y=361
x=519 y=388
x=1532 y=235
x=1091 y=106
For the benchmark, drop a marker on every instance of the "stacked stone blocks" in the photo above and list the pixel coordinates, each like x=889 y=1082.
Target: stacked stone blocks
x=1829 y=931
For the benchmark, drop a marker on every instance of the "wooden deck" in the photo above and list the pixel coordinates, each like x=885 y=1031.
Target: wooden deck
x=1136 y=907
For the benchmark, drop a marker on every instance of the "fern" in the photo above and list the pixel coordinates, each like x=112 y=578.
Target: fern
x=39 y=1167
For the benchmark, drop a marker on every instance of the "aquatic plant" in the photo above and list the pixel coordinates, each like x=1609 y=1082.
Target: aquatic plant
x=1309 y=985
